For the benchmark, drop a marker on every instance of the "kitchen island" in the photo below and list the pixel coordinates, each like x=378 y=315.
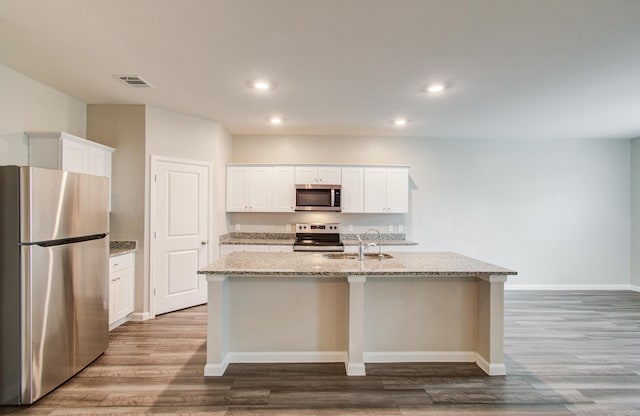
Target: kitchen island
x=303 y=307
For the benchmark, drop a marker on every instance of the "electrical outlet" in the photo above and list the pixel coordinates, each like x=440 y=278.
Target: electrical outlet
x=350 y=228
x=287 y=227
x=237 y=227
x=390 y=228
x=400 y=228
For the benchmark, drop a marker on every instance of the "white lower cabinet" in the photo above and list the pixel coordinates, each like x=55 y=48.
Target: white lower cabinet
x=121 y=287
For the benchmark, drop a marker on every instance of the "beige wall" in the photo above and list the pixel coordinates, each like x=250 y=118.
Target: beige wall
x=138 y=132
x=123 y=128
x=28 y=105
x=183 y=136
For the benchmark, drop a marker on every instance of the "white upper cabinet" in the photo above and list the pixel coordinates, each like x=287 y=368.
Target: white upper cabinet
x=59 y=150
x=386 y=190
x=283 y=189
x=397 y=190
x=237 y=188
x=327 y=175
x=99 y=162
x=249 y=188
x=352 y=195
x=260 y=189
x=74 y=156
x=271 y=188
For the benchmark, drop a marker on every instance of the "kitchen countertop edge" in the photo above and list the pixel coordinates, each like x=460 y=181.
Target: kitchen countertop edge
x=122 y=247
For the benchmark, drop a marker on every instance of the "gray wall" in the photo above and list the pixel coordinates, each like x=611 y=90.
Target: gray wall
x=28 y=105
x=635 y=213
x=558 y=212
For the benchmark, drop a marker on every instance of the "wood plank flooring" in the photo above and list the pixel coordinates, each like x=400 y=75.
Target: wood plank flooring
x=567 y=353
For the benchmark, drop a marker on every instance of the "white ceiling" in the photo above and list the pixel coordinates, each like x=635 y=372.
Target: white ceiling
x=518 y=68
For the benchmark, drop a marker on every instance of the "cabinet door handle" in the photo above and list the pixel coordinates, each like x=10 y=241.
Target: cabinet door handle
x=204 y=243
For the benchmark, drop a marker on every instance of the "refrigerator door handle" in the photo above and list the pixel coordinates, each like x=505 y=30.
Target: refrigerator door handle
x=64 y=241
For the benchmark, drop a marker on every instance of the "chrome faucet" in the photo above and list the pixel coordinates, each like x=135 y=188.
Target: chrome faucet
x=362 y=247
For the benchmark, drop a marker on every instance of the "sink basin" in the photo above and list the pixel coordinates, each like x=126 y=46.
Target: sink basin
x=354 y=256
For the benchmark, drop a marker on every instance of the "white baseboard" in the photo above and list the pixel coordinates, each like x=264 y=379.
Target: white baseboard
x=288 y=357
x=420 y=357
x=216 y=370
x=118 y=323
x=635 y=288
x=569 y=287
x=355 y=369
x=139 y=316
x=490 y=369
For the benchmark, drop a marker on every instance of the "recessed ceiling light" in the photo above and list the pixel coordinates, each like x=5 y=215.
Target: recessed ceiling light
x=436 y=87
x=400 y=121
x=276 y=120
x=262 y=85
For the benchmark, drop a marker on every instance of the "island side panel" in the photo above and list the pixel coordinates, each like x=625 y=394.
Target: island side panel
x=217 y=326
x=490 y=344
x=287 y=319
x=420 y=319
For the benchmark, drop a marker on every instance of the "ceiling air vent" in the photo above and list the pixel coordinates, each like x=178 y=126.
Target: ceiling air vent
x=134 y=81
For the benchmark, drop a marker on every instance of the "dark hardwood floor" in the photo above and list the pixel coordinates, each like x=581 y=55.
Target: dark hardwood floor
x=567 y=353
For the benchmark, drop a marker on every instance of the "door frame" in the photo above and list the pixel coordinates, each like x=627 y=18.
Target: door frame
x=155 y=159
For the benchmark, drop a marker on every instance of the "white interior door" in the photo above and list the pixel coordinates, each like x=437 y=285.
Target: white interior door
x=181 y=201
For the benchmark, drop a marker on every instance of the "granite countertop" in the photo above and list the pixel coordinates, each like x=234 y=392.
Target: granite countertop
x=258 y=238
x=386 y=239
x=118 y=248
x=314 y=264
x=383 y=242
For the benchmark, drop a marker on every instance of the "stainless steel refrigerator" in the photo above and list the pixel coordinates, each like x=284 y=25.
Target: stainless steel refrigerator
x=53 y=278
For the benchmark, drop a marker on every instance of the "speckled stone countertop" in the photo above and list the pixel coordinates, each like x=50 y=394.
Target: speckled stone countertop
x=314 y=264
x=386 y=239
x=118 y=248
x=285 y=239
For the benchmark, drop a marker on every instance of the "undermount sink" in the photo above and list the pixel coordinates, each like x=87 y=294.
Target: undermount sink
x=354 y=256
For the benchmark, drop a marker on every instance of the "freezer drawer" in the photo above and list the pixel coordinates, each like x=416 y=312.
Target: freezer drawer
x=65 y=312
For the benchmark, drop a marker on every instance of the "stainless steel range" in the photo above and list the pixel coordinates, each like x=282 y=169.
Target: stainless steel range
x=318 y=237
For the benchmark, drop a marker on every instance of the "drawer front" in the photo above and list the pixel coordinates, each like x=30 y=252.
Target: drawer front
x=118 y=263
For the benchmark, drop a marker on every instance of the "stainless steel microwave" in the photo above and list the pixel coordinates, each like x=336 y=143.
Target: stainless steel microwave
x=318 y=198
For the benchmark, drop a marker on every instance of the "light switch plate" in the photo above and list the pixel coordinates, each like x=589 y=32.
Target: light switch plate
x=391 y=228
x=287 y=227
x=400 y=228
x=237 y=227
x=350 y=228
